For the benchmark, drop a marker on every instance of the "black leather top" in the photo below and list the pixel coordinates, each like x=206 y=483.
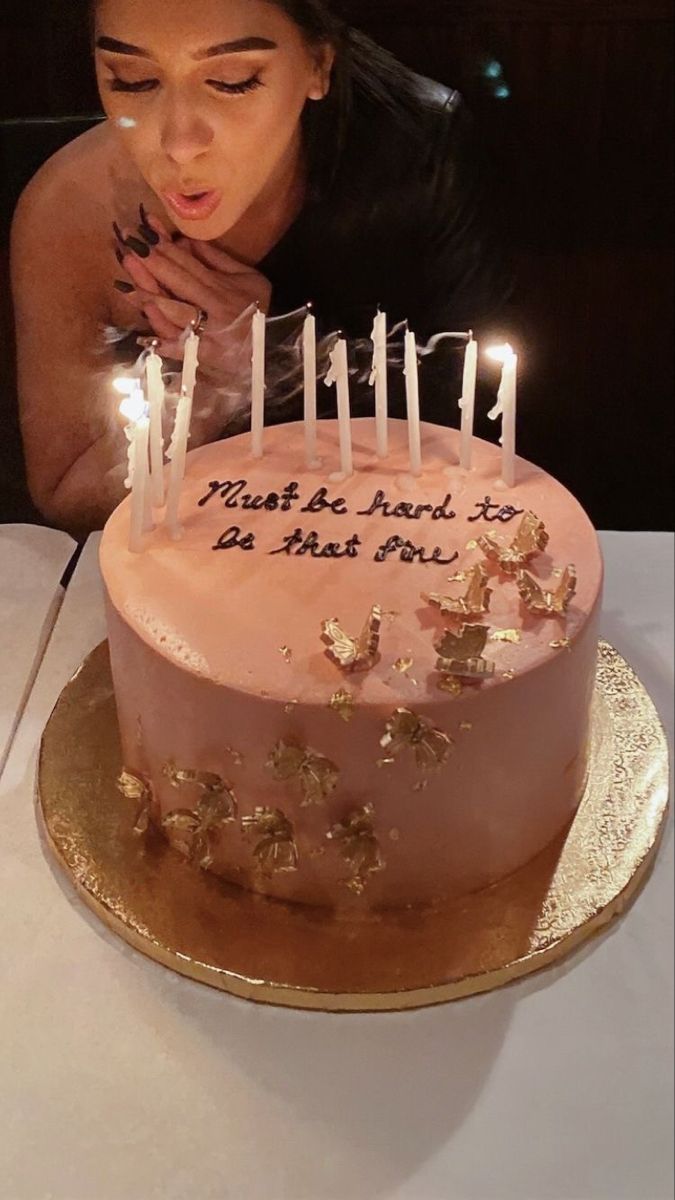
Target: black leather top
x=405 y=224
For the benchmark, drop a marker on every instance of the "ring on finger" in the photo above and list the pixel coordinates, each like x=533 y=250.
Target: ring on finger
x=199 y=322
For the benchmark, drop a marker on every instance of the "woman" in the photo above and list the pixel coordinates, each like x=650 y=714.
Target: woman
x=254 y=151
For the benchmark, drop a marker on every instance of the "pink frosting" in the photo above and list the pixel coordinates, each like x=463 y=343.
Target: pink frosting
x=221 y=650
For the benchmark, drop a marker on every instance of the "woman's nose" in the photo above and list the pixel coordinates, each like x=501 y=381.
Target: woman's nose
x=185 y=135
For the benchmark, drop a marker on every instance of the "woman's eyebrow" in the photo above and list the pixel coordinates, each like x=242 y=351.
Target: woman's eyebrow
x=247 y=43
x=112 y=44
x=236 y=47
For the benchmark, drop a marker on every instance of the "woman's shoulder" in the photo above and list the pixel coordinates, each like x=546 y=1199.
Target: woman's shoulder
x=73 y=187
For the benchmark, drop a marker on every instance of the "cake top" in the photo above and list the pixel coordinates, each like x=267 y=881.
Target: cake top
x=272 y=551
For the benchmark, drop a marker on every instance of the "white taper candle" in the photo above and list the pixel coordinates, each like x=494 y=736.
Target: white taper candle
x=339 y=375
x=507 y=408
x=309 y=368
x=467 y=403
x=379 y=379
x=190 y=364
x=258 y=384
x=137 y=433
x=155 y=384
x=177 y=453
x=413 y=401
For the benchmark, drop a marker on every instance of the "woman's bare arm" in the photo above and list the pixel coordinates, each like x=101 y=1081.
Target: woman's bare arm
x=75 y=447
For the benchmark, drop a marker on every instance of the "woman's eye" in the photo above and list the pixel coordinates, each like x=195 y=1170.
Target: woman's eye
x=141 y=85
x=236 y=89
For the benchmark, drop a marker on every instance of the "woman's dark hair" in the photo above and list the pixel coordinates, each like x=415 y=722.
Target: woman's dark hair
x=364 y=74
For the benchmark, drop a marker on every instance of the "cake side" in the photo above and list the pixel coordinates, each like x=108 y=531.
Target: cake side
x=220 y=669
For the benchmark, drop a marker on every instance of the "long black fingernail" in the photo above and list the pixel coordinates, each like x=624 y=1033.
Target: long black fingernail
x=152 y=238
x=118 y=233
x=122 y=286
x=140 y=248
x=119 y=256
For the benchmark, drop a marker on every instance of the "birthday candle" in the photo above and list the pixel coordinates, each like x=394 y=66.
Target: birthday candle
x=155 y=383
x=339 y=375
x=379 y=379
x=258 y=385
x=468 y=402
x=177 y=453
x=506 y=408
x=309 y=365
x=413 y=401
x=190 y=364
x=137 y=432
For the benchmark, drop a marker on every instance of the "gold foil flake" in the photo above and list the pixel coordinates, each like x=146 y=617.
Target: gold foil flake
x=137 y=789
x=218 y=799
x=466 y=726
x=451 y=685
x=394 y=835
x=461 y=654
x=508 y=674
x=530 y=539
x=561 y=644
x=276 y=851
x=342 y=702
x=406 y=730
x=507 y=635
x=354 y=654
x=472 y=545
x=290 y=707
x=286 y=653
x=235 y=755
x=421 y=785
x=183 y=829
x=193 y=831
x=385 y=762
x=316 y=775
x=359 y=847
x=474 y=603
x=459 y=577
x=403 y=665
x=545 y=603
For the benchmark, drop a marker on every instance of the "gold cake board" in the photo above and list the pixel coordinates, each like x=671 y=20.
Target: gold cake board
x=302 y=957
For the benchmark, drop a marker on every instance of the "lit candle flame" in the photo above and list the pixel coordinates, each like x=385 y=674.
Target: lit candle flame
x=124 y=385
x=133 y=407
x=501 y=354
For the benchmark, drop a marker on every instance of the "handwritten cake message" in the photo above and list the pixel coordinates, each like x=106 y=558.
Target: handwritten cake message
x=304 y=541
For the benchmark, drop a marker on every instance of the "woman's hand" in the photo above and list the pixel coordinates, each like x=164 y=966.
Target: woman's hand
x=176 y=281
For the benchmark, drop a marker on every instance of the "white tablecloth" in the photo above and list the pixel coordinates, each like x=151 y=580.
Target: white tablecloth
x=32 y=562
x=121 y=1081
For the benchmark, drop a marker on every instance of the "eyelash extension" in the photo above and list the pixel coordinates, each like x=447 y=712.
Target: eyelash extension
x=144 y=85
x=236 y=89
x=219 y=85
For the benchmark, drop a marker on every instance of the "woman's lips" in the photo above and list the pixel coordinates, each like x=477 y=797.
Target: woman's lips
x=196 y=206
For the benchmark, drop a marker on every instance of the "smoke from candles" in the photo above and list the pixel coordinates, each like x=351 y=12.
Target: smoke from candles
x=284 y=366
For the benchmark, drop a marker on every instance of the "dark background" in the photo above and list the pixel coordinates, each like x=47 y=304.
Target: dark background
x=573 y=99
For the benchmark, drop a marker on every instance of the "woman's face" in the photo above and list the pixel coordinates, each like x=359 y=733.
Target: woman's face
x=207 y=96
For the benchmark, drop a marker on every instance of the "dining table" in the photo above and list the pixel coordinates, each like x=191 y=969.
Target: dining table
x=120 y=1080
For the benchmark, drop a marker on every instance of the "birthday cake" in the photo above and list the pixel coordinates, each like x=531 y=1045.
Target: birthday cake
x=371 y=690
